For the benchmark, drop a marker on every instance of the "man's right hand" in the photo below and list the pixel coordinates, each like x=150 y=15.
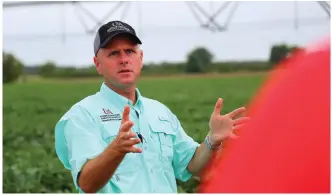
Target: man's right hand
x=97 y=172
x=126 y=139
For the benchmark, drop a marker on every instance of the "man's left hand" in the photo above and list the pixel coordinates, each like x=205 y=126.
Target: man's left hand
x=222 y=126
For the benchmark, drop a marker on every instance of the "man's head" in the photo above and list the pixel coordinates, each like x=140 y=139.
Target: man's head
x=118 y=57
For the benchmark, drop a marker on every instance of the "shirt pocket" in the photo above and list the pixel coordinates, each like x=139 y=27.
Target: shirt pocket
x=131 y=161
x=163 y=135
x=110 y=130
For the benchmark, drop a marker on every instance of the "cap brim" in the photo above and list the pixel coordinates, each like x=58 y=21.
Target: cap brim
x=134 y=37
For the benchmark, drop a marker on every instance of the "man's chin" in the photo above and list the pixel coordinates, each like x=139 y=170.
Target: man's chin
x=123 y=83
x=127 y=83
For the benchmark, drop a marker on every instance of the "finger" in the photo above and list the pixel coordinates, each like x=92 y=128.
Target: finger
x=236 y=112
x=233 y=136
x=125 y=127
x=125 y=114
x=134 y=149
x=238 y=127
x=217 y=107
x=132 y=142
x=129 y=135
x=241 y=120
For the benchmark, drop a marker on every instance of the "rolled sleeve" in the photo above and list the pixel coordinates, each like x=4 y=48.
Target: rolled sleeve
x=184 y=150
x=78 y=139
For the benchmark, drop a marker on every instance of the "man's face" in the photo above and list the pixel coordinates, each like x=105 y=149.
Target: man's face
x=120 y=62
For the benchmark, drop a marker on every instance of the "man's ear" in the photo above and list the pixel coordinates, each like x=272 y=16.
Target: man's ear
x=98 y=65
x=141 y=57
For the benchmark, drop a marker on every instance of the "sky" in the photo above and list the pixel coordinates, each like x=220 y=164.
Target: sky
x=168 y=30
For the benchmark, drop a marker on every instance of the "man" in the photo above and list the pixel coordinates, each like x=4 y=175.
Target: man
x=119 y=141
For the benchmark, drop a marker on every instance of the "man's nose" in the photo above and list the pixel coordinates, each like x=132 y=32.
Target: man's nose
x=123 y=59
x=124 y=62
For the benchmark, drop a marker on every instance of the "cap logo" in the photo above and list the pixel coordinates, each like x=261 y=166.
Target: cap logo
x=117 y=26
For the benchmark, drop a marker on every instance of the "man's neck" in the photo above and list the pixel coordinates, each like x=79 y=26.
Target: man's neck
x=128 y=92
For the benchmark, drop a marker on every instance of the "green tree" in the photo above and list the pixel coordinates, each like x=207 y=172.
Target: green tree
x=198 y=60
x=280 y=52
x=47 y=69
x=12 y=68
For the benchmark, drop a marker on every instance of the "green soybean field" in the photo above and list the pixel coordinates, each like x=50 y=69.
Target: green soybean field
x=32 y=108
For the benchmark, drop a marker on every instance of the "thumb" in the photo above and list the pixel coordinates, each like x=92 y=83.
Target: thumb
x=218 y=106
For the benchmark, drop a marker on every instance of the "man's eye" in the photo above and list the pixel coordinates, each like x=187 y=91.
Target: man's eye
x=113 y=53
x=129 y=51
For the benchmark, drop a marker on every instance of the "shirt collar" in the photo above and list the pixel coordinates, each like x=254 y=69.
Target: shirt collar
x=119 y=100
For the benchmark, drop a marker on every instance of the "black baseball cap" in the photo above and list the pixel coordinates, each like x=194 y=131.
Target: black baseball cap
x=111 y=29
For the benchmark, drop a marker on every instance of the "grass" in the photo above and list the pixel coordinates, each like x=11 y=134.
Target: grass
x=31 y=109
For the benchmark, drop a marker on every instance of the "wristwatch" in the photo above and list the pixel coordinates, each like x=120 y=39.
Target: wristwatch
x=211 y=147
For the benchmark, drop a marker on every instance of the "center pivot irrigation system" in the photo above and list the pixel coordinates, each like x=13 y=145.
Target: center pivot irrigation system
x=206 y=19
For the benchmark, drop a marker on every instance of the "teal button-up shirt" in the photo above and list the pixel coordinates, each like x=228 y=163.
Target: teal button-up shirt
x=90 y=125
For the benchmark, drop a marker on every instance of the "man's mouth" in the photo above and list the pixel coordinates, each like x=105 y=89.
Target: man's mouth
x=124 y=71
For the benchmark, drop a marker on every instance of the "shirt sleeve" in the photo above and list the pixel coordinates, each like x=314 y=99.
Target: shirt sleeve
x=184 y=150
x=77 y=139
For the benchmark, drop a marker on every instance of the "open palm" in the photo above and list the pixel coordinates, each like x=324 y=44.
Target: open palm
x=222 y=126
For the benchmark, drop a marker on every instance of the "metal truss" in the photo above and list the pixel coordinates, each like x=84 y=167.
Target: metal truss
x=213 y=25
x=205 y=19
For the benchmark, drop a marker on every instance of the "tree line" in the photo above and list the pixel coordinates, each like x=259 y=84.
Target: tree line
x=199 y=60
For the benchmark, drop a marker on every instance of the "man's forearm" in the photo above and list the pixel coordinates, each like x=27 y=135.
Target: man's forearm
x=202 y=156
x=97 y=172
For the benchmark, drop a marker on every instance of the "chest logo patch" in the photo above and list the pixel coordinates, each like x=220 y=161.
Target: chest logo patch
x=109 y=116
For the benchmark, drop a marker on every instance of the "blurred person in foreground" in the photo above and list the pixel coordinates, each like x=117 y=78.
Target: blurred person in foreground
x=286 y=146
x=117 y=140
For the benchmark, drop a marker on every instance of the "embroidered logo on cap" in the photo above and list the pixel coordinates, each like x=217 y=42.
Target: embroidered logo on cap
x=117 y=26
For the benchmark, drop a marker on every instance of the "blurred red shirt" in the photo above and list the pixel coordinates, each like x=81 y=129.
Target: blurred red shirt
x=286 y=147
